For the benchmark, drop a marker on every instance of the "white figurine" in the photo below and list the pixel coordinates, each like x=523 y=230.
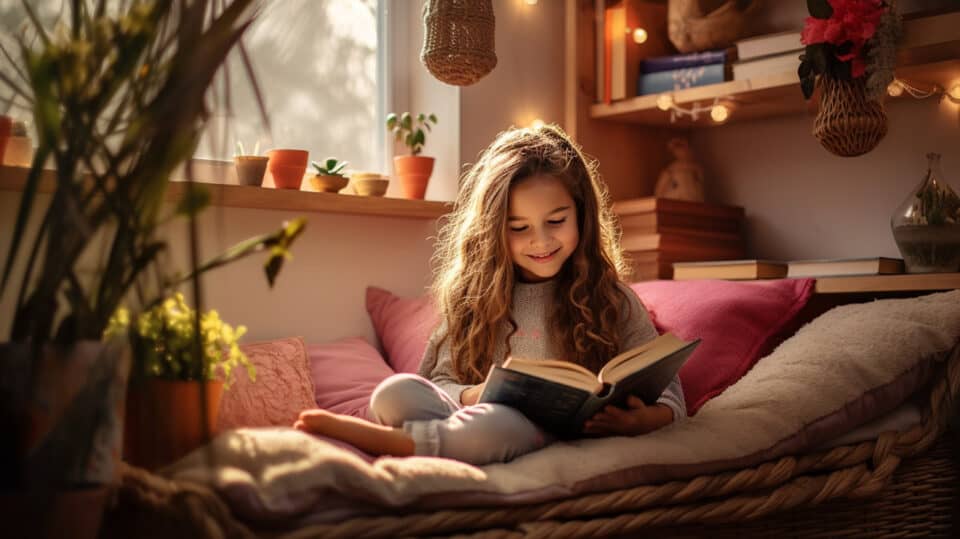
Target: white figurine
x=683 y=178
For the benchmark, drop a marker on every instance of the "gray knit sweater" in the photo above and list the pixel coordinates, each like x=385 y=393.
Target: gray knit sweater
x=530 y=309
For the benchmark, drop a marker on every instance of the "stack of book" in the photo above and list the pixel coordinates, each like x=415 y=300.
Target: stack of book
x=658 y=232
x=618 y=53
x=679 y=71
x=777 y=269
x=771 y=54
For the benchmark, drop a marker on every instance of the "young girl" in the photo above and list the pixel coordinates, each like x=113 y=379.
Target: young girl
x=529 y=265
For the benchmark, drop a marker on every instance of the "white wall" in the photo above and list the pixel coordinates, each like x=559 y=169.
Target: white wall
x=803 y=202
x=528 y=80
x=320 y=292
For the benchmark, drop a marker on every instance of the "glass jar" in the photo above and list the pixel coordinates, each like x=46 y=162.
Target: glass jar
x=926 y=226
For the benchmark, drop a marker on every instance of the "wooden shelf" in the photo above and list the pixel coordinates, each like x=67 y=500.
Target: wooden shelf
x=929 y=54
x=242 y=196
x=906 y=282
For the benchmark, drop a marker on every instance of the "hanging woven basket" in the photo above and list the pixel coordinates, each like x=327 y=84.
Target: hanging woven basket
x=458 y=46
x=848 y=123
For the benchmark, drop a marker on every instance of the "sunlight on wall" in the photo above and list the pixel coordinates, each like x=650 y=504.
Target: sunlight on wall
x=316 y=66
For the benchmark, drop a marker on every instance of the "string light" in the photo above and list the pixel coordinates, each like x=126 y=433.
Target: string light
x=719 y=110
x=954 y=93
x=531 y=2
x=664 y=102
x=537 y=123
x=639 y=36
x=719 y=113
x=898 y=87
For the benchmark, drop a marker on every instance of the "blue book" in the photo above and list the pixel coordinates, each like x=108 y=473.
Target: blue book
x=693 y=59
x=678 y=79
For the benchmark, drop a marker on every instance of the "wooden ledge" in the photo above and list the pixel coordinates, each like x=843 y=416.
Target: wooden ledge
x=263 y=198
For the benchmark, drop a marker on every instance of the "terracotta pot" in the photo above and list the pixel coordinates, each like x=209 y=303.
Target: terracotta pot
x=71 y=513
x=166 y=419
x=413 y=174
x=6 y=126
x=39 y=417
x=285 y=156
x=250 y=169
x=326 y=183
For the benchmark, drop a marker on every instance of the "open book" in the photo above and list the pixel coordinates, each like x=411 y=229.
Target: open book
x=560 y=396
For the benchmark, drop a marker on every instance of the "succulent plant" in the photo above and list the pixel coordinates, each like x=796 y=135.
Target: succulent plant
x=330 y=167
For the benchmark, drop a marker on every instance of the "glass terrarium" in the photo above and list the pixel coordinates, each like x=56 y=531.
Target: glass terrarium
x=926 y=226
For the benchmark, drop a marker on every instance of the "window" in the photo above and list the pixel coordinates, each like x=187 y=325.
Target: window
x=316 y=63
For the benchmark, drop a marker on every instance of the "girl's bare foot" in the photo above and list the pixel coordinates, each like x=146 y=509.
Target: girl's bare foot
x=370 y=437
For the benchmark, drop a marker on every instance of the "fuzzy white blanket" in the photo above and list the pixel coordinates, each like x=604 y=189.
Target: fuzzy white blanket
x=850 y=365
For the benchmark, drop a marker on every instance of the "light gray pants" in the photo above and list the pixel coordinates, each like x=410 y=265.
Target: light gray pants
x=440 y=427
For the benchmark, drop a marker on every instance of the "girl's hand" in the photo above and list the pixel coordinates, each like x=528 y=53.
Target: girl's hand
x=637 y=418
x=471 y=395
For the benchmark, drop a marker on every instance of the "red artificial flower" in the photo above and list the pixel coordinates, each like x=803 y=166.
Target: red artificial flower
x=853 y=22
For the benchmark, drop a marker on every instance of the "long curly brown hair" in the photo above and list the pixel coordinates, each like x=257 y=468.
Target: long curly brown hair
x=475 y=276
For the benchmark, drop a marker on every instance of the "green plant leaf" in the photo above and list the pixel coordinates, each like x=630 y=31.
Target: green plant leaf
x=819 y=9
x=406 y=122
x=433 y=118
x=391 y=120
x=418 y=137
x=195 y=199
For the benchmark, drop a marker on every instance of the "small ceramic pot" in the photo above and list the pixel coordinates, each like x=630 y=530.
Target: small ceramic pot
x=413 y=173
x=250 y=169
x=326 y=183
x=369 y=187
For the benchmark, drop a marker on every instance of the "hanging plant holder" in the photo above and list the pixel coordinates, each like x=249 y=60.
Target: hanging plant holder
x=458 y=42
x=848 y=123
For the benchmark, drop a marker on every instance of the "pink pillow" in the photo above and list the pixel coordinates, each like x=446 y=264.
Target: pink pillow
x=282 y=389
x=403 y=326
x=345 y=373
x=739 y=322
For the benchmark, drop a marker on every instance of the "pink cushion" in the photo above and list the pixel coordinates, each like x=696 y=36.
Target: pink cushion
x=403 y=326
x=345 y=373
x=739 y=322
x=282 y=389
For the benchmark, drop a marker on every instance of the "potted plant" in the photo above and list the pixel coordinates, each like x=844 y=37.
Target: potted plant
x=330 y=177
x=850 y=53
x=96 y=245
x=175 y=393
x=250 y=167
x=412 y=171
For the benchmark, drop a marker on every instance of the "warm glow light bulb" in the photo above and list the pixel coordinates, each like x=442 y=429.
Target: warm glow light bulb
x=537 y=123
x=954 y=93
x=639 y=36
x=895 y=89
x=531 y=2
x=664 y=102
x=719 y=113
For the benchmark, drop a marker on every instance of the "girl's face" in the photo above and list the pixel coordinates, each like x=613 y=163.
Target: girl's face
x=542 y=229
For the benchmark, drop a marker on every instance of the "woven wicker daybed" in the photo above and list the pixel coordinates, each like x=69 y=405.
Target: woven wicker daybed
x=900 y=483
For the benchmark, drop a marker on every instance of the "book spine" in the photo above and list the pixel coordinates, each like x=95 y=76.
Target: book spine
x=679 y=79
x=678 y=61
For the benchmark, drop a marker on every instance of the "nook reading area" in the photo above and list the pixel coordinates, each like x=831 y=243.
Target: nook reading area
x=218 y=215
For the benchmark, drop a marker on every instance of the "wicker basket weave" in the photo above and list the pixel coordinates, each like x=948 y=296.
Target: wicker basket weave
x=848 y=124
x=458 y=42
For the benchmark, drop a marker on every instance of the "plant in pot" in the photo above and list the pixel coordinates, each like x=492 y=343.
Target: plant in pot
x=250 y=167
x=119 y=101
x=329 y=176
x=412 y=171
x=850 y=53
x=175 y=393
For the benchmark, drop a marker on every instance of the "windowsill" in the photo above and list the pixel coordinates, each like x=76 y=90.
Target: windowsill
x=227 y=194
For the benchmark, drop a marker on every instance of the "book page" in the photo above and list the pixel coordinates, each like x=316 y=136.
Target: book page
x=638 y=358
x=563 y=372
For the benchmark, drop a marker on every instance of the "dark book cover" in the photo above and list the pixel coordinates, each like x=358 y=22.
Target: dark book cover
x=562 y=409
x=677 y=61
